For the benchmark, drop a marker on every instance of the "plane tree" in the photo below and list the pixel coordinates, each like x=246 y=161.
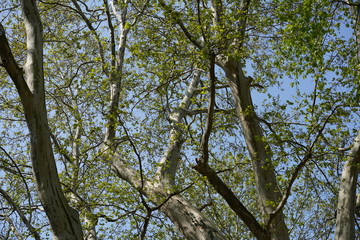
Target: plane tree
x=196 y=119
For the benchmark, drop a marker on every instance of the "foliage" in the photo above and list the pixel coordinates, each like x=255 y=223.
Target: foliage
x=301 y=55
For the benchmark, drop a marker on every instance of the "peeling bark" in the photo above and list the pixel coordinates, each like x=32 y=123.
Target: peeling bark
x=345 y=219
x=189 y=220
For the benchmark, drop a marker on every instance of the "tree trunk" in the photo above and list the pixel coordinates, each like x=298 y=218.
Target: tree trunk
x=186 y=217
x=168 y=164
x=268 y=192
x=64 y=220
x=345 y=218
x=189 y=220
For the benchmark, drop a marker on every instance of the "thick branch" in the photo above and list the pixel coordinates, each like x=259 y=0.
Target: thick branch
x=239 y=42
x=63 y=219
x=210 y=117
x=234 y=203
x=117 y=65
x=187 y=218
x=265 y=178
x=112 y=32
x=217 y=9
x=15 y=72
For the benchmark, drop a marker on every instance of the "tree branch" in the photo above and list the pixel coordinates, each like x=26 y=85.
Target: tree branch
x=169 y=161
x=210 y=115
x=241 y=211
x=297 y=170
x=349 y=3
x=175 y=17
x=204 y=110
x=91 y=28
x=15 y=72
x=27 y=223
x=285 y=197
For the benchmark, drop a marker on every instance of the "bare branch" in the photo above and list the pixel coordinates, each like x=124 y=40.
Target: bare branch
x=297 y=170
x=60 y=149
x=345 y=149
x=205 y=206
x=18 y=171
x=27 y=223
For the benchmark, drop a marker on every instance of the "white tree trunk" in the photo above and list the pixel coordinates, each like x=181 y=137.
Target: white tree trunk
x=345 y=218
x=169 y=161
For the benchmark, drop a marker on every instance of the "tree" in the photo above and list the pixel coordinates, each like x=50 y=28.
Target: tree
x=135 y=108
x=345 y=222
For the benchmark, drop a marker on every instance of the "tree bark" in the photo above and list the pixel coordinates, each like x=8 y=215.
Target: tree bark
x=268 y=192
x=64 y=220
x=186 y=217
x=169 y=162
x=189 y=220
x=345 y=218
x=259 y=232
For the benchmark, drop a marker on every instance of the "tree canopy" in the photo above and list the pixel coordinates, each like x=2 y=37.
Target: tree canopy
x=220 y=119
